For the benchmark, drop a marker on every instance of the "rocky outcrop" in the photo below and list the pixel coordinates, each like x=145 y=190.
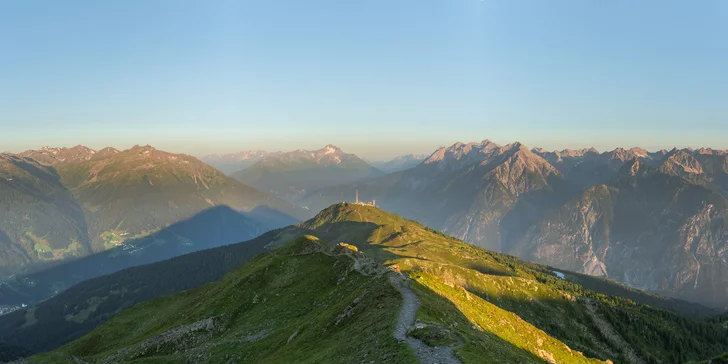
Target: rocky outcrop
x=684 y=165
x=651 y=232
x=175 y=340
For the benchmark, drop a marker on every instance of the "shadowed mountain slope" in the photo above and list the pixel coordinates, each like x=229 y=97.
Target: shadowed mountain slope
x=59 y=204
x=233 y=162
x=652 y=220
x=40 y=221
x=210 y=228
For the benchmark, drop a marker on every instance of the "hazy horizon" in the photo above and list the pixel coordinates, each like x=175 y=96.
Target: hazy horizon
x=378 y=157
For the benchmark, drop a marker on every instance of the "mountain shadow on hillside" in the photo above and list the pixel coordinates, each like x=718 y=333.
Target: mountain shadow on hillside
x=210 y=228
x=76 y=311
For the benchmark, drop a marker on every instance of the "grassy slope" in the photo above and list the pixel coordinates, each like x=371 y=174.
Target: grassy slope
x=281 y=305
x=531 y=291
x=501 y=307
x=76 y=311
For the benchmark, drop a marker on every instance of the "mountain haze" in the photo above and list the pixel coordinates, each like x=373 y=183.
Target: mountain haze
x=139 y=190
x=233 y=162
x=400 y=163
x=210 y=228
x=291 y=175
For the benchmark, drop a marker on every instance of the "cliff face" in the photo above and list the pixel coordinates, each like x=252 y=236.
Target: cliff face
x=699 y=266
x=684 y=165
x=651 y=231
x=575 y=237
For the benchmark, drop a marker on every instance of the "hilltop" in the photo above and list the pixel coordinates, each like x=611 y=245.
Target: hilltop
x=484 y=305
x=272 y=309
x=233 y=162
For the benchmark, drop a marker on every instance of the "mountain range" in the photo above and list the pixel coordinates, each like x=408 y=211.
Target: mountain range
x=652 y=220
x=291 y=175
x=234 y=162
x=355 y=281
x=358 y=284
x=122 y=207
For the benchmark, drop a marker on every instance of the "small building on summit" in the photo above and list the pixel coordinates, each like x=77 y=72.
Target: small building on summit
x=370 y=203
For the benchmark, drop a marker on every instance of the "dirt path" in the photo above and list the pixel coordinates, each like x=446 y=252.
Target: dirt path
x=406 y=318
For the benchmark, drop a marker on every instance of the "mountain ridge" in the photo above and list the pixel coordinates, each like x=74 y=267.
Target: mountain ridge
x=60 y=204
x=496 y=307
x=493 y=196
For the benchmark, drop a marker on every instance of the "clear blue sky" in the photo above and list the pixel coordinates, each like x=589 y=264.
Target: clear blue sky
x=376 y=77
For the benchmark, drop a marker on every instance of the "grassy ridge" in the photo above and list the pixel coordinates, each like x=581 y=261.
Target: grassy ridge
x=565 y=310
x=276 y=308
x=494 y=306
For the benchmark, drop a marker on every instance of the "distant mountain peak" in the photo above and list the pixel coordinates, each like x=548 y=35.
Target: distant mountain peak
x=459 y=151
x=290 y=175
x=410 y=156
x=639 y=152
x=711 y=151
x=244 y=155
x=329 y=149
x=632 y=167
x=233 y=162
x=50 y=155
x=621 y=154
x=683 y=164
x=401 y=162
x=516 y=145
x=516 y=167
x=577 y=152
x=107 y=152
x=143 y=148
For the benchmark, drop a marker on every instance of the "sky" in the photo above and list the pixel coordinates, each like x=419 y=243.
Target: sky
x=378 y=77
